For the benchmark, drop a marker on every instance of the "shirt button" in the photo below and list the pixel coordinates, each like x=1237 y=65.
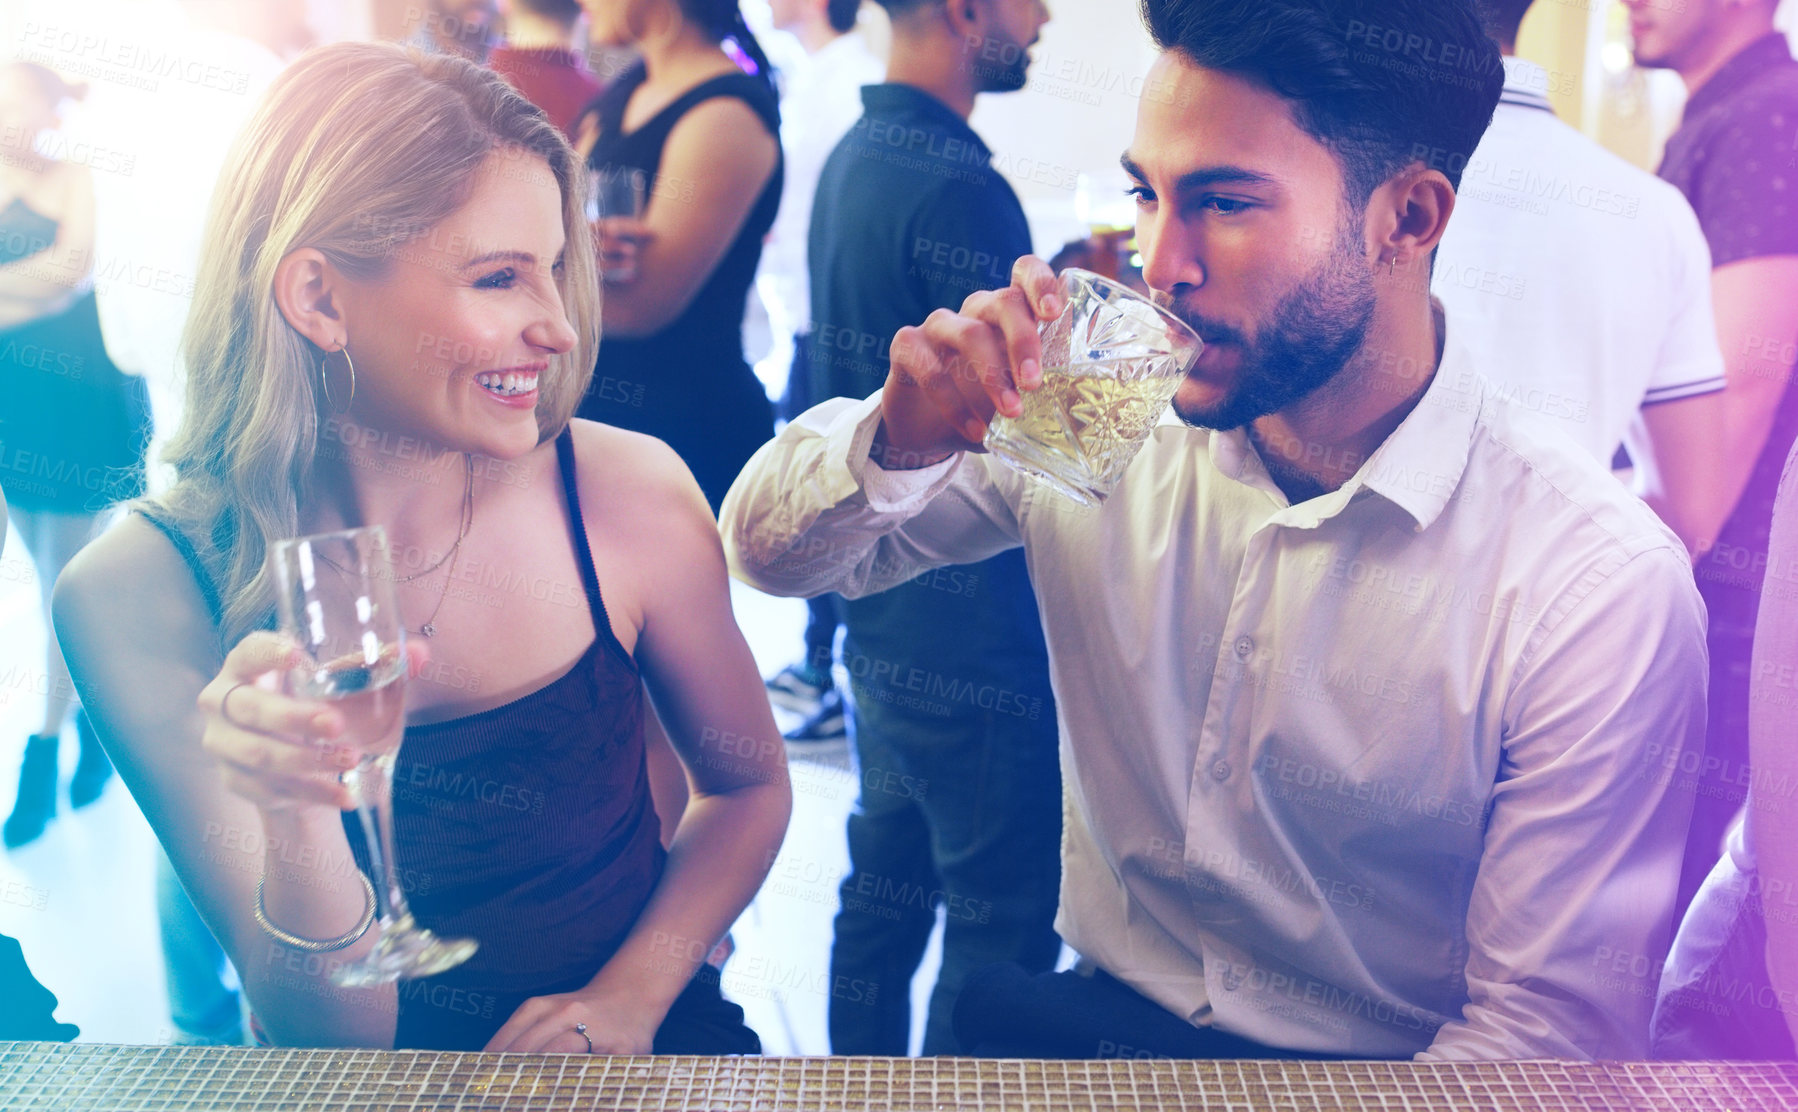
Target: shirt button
x=1221 y=770
x=1244 y=646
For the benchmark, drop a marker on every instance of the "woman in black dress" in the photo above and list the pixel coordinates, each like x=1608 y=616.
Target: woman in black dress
x=704 y=135
x=73 y=430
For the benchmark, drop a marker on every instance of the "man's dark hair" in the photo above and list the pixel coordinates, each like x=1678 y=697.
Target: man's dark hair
x=841 y=14
x=1502 y=18
x=1384 y=84
x=562 y=11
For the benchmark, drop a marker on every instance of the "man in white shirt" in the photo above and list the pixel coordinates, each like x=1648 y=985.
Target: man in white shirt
x=1367 y=697
x=1586 y=281
x=821 y=102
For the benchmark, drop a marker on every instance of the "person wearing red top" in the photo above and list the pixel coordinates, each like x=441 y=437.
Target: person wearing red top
x=540 y=58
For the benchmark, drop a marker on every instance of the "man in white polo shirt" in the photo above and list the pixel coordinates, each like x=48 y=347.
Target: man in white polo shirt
x=1586 y=282
x=1368 y=680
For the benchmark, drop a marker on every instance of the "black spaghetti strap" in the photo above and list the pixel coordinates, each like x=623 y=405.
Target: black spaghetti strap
x=191 y=556
x=602 y=622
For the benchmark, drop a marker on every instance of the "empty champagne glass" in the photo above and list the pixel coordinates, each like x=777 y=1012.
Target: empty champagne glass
x=334 y=597
x=616 y=191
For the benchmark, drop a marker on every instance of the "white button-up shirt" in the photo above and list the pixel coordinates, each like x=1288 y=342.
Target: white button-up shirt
x=1375 y=774
x=822 y=103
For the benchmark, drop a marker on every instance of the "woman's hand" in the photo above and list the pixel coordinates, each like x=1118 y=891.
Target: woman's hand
x=278 y=752
x=619 y=239
x=545 y=1025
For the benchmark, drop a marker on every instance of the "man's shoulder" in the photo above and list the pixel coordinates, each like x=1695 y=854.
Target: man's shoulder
x=1563 y=165
x=1550 y=482
x=1764 y=107
x=1772 y=87
x=881 y=193
x=917 y=152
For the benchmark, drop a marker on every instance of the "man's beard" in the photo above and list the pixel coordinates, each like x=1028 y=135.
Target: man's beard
x=1007 y=73
x=1305 y=342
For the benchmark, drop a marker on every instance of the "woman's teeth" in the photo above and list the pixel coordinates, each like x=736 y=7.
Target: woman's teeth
x=507 y=384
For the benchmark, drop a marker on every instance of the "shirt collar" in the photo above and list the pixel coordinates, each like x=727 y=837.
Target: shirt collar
x=894 y=99
x=1418 y=468
x=1421 y=464
x=1750 y=62
x=1526 y=85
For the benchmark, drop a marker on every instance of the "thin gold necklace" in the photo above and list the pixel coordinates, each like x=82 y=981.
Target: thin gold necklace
x=441 y=560
x=429 y=629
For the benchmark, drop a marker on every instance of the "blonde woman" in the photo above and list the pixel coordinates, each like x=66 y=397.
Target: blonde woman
x=395 y=318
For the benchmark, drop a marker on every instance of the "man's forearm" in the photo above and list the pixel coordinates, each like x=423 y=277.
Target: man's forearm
x=1757 y=323
x=1689 y=441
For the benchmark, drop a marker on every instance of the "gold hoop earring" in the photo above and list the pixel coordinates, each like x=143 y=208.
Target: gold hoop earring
x=324 y=379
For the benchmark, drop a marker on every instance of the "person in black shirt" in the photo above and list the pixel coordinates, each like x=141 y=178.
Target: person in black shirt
x=1735 y=157
x=952 y=719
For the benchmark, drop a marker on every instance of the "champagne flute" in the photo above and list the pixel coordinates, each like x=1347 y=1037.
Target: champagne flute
x=334 y=596
x=616 y=191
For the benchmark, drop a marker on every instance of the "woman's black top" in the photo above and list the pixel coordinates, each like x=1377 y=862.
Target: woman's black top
x=73 y=429
x=688 y=384
x=530 y=828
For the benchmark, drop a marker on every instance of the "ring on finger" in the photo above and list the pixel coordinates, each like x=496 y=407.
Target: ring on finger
x=581 y=1030
x=225 y=706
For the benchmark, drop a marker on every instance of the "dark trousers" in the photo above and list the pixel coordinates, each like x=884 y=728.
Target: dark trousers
x=821 y=619
x=960 y=811
x=797 y=397
x=824 y=613
x=1005 y=1012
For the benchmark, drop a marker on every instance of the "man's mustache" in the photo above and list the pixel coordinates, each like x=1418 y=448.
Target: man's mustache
x=1211 y=330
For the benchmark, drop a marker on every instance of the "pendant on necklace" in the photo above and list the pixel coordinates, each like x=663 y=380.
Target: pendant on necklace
x=428 y=630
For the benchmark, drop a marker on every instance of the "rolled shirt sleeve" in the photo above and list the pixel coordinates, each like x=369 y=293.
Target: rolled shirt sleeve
x=811 y=513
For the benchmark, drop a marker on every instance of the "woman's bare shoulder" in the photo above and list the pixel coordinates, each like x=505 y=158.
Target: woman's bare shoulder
x=638 y=482
x=731 y=133
x=627 y=461
x=130 y=573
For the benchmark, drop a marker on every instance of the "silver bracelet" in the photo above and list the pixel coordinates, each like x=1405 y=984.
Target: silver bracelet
x=315 y=945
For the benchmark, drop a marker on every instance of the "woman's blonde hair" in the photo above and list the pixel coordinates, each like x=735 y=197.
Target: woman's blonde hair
x=356 y=150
